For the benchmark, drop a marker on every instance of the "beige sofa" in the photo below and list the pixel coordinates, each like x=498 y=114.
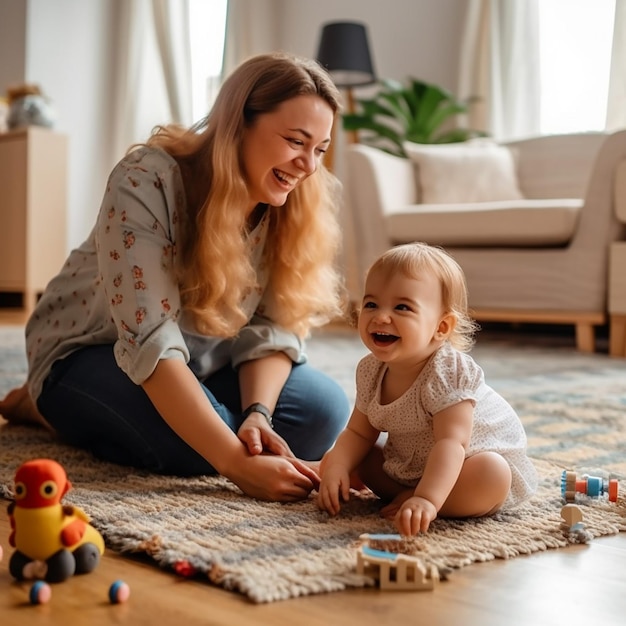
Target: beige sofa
x=542 y=257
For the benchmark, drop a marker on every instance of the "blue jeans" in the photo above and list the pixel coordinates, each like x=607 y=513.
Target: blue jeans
x=92 y=404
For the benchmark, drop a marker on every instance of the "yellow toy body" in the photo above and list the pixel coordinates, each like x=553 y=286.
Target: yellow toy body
x=51 y=540
x=40 y=533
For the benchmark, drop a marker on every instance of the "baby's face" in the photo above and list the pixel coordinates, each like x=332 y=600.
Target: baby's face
x=400 y=316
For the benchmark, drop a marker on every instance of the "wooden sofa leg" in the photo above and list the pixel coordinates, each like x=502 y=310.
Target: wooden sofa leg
x=617 y=336
x=585 y=337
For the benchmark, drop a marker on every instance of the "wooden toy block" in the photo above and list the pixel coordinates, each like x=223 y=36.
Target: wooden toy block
x=572 y=517
x=393 y=571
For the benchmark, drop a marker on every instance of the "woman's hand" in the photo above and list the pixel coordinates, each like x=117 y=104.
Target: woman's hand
x=274 y=478
x=259 y=437
x=411 y=514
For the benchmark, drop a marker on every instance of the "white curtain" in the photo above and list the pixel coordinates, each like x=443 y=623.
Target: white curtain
x=499 y=67
x=153 y=69
x=171 y=26
x=251 y=28
x=616 y=107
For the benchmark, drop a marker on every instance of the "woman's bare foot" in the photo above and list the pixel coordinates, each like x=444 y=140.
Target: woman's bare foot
x=18 y=408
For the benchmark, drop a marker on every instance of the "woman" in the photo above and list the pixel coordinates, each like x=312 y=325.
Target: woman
x=172 y=339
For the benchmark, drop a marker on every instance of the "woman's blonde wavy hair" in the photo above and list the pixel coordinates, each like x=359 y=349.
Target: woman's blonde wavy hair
x=304 y=237
x=412 y=260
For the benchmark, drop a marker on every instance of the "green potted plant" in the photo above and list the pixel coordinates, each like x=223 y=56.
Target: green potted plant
x=416 y=112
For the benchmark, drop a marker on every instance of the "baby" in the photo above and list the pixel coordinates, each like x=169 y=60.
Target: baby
x=454 y=447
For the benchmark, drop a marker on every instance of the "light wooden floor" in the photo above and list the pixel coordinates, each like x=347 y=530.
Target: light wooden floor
x=13 y=317
x=580 y=585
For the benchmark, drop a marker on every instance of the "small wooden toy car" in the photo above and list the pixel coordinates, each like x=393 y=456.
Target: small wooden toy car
x=593 y=486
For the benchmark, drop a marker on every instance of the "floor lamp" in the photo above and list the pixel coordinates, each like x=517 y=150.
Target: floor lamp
x=344 y=51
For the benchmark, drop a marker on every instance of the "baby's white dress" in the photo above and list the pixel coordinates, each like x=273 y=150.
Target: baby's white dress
x=449 y=377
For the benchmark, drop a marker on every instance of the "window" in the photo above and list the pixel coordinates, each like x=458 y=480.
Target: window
x=207 y=30
x=575 y=39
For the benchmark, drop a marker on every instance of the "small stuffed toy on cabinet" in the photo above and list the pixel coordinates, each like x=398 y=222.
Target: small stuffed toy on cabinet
x=52 y=541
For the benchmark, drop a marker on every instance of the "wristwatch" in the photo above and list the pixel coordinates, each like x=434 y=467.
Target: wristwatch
x=257 y=407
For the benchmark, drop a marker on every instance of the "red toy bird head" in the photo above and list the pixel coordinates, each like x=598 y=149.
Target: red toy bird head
x=40 y=483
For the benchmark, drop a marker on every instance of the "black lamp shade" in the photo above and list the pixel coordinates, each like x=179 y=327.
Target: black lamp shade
x=345 y=53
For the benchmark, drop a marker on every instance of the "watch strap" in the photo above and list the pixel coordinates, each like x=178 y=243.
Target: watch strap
x=257 y=407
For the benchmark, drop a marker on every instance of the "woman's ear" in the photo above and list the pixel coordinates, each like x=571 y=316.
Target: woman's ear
x=446 y=326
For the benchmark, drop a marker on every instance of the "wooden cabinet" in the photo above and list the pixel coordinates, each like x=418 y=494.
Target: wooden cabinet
x=33 y=210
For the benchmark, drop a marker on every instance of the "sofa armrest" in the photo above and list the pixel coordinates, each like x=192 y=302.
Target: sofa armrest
x=390 y=178
x=619 y=187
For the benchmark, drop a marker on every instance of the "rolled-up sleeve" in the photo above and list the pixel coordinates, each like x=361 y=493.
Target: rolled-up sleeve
x=165 y=343
x=261 y=337
x=136 y=246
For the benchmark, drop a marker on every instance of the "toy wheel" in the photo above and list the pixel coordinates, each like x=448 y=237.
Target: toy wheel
x=87 y=558
x=61 y=565
x=613 y=489
x=17 y=563
x=568 y=485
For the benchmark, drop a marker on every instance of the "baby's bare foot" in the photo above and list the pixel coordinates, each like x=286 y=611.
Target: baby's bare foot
x=389 y=510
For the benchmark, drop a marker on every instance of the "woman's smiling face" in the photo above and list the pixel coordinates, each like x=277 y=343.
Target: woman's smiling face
x=282 y=148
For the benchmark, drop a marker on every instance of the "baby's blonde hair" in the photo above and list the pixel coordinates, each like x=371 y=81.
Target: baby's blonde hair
x=412 y=260
x=304 y=236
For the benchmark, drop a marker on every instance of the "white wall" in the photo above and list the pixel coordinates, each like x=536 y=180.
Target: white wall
x=12 y=43
x=418 y=38
x=69 y=48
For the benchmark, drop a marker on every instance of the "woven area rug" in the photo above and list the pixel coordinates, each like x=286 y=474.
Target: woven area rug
x=572 y=405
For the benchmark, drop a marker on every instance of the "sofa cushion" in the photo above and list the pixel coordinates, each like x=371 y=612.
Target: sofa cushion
x=522 y=223
x=472 y=171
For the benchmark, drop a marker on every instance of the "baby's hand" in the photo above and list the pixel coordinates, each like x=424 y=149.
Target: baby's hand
x=334 y=488
x=414 y=516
